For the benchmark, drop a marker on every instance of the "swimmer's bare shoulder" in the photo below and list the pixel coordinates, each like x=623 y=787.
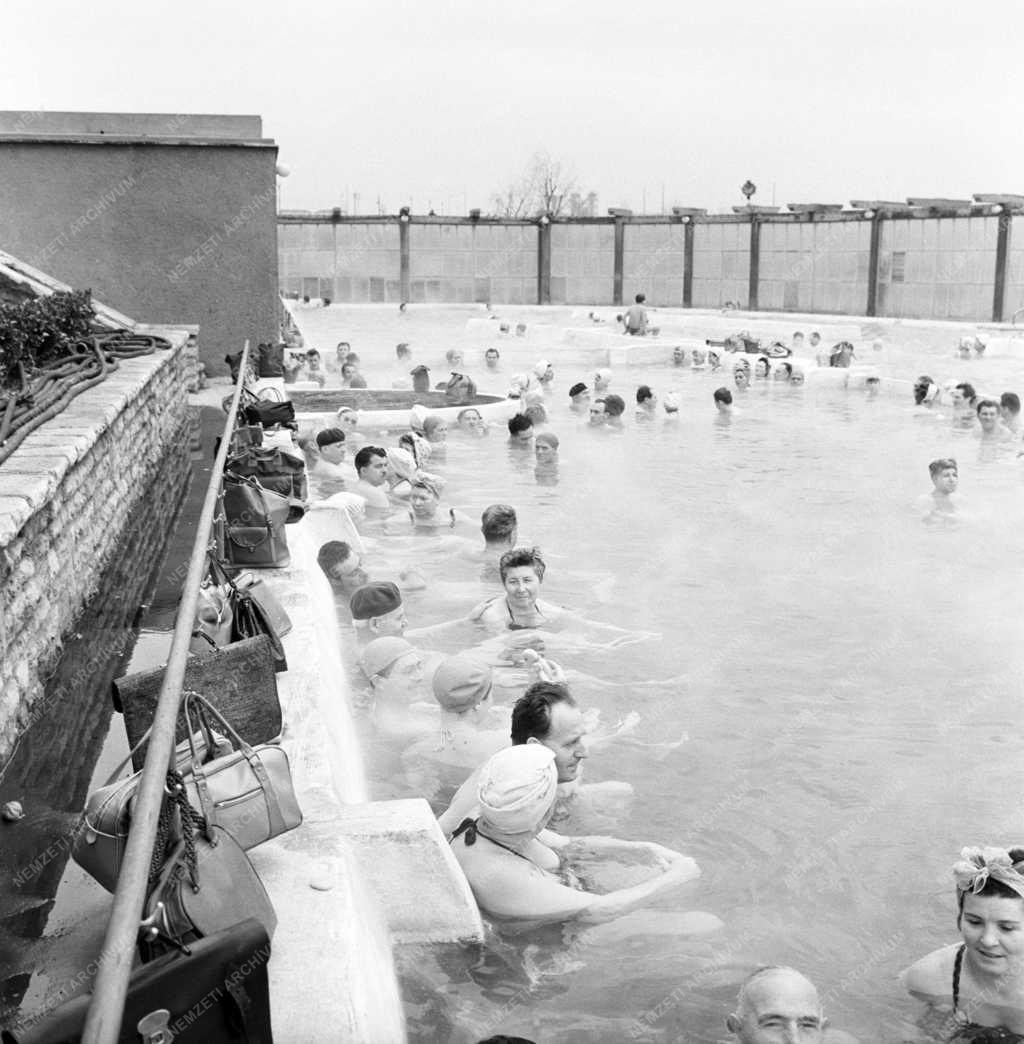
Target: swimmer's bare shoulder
x=931 y=978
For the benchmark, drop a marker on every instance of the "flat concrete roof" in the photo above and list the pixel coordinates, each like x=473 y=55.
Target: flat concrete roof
x=122 y=125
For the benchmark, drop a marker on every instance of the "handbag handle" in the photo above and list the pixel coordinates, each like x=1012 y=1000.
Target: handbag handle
x=276 y=817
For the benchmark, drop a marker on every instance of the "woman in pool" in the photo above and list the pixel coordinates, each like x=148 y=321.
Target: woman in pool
x=435 y=429
x=348 y=421
x=424 y=505
x=517 y=875
x=522 y=573
x=980 y=981
x=783 y=372
x=470 y=422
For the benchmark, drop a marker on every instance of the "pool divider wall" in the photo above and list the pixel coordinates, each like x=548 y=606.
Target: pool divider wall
x=65 y=496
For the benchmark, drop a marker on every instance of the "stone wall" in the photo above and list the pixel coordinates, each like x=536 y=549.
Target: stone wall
x=65 y=497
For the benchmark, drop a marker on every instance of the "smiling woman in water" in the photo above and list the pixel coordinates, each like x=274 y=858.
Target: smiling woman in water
x=980 y=981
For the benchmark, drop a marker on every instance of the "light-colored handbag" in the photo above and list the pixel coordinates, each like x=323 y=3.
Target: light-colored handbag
x=101 y=840
x=248 y=792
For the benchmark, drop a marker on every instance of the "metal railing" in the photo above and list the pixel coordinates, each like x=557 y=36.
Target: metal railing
x=110 y=988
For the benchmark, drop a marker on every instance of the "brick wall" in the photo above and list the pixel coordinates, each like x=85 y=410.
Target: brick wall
x=65 y=498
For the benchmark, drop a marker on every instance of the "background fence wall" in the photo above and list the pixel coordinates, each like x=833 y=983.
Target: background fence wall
x=961 y=261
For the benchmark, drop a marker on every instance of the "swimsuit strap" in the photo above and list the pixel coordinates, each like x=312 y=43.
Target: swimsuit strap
x=472 y=831
x=957 y=965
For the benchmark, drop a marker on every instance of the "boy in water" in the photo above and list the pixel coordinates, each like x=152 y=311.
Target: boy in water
x=945 y=478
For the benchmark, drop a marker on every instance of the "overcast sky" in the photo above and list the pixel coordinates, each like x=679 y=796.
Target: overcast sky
x=443 y=103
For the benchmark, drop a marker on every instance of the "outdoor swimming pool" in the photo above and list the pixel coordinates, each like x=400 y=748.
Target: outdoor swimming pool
x=851 y=681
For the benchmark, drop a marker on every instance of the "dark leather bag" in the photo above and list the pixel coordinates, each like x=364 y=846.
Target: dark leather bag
x=239 y=681
x=267 y=413
x=254 y=521
x=254 y=610
x=217 y=993
x=270 y=360
x=200 y=884
x=276 y=470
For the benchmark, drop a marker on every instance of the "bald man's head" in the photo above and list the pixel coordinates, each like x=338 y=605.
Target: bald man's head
x=777 y=1004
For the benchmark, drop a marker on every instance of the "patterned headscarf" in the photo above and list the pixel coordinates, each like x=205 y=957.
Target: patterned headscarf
x=977 y=866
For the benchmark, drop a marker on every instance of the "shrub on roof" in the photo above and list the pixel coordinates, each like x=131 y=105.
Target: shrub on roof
x=42 y=331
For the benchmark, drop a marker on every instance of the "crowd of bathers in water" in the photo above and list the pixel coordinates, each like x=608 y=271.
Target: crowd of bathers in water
x=501 y=748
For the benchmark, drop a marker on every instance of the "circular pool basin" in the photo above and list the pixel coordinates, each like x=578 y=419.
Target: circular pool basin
x=384 y=407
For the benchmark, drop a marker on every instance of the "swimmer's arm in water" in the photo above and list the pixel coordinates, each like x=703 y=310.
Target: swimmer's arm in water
x=537 y=896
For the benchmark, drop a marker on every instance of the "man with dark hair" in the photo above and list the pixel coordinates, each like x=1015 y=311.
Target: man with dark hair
x=723 y=402
x=499 y=524
x=548 y=714
x=614 y=408
x=1009 y=410
x=342 y=566
x=635 y=319
x=990 y=430
x=492 y=358
x=964 y=398
x=371 y=464
x=520 y=431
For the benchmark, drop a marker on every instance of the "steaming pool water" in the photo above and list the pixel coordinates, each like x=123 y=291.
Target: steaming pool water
x=847 y=675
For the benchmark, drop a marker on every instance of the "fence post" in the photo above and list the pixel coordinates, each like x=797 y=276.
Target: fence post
x=873 y=255
x=544 y=262
x=1002 y=258
x=403 y=257
x=688 y=264
x=620 y=245
x=755 y=263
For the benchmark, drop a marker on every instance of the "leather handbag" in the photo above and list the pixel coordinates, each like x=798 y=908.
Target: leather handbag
x=253 y=609
x=248 y=792
x=103 y=836
x=202 y=885
x=267 y=413
x=276 y=470
x=254 y=521
x=216 y=993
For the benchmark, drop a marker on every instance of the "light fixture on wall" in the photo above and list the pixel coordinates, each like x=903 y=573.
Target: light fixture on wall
x=543 y=220
x=868 y=215
x=685 y=219
x=748 y=188
x=403 y=215
x=996 y=209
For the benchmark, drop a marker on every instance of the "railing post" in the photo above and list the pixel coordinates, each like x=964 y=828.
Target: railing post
x=755 y=263
x=405 y=283
x=688 y=264
x=1002 y=259
x=873 y=256
x=620 y=252
x=544 y=262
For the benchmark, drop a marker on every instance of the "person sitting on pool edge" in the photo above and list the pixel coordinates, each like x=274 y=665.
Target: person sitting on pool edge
x=778 y=1005
x=371 y=464
x=377 y=611
x=522 y=573
x=514 y=875
x=520 y=431
x=980 y=981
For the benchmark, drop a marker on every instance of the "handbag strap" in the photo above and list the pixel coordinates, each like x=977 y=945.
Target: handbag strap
x=276 y=817
x=175 y=797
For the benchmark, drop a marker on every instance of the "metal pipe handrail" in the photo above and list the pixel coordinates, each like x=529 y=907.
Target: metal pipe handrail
x=110 y=989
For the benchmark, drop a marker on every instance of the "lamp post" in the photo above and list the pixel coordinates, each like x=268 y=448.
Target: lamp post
x=748 y=188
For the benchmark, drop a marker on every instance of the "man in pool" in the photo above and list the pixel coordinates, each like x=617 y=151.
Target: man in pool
x=520 y=431
x=377 y=611
x=614 y=408
x=945 y=479
x=778 y=1005
x=635 y=319
x=470 y=422
x=548 y=714
x=522 y=573
x=723 y=402
x=964 y=398
x=598 y=415
x=492 y=359
x=579 y=398
x=342 y=566
x=989 y=428
x=1009 y=410
x=546 y=449
x=371 y=464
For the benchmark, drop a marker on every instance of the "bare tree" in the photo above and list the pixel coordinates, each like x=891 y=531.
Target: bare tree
x=546 y=187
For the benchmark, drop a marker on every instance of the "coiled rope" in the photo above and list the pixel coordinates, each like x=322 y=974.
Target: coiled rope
x=51 y=388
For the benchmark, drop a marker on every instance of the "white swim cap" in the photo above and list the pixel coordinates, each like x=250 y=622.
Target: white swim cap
x=517 y=788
